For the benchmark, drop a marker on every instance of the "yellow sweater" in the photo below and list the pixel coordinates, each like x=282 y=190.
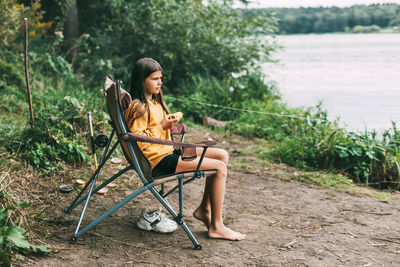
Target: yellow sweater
x=153 y=152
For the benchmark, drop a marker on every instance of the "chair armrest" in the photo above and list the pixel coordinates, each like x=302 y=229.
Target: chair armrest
x=142 y=138
x=179 y=129
x=188 y=150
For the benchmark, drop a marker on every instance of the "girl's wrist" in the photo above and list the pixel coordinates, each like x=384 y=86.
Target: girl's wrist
x=163 y=125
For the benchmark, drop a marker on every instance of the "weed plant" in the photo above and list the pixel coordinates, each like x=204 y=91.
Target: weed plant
x=13 y=237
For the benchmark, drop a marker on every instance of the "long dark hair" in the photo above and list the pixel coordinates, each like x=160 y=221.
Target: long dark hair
x=141 y=70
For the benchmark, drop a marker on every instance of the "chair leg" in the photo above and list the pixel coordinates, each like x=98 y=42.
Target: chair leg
x=103 y=160
x=129 y=198
x=109 y=180
x=111 y=211
x=180 y=220
x=162 y=190
x=180 y=183
x=86 y=203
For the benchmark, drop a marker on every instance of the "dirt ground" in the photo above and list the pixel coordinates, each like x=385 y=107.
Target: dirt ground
x=286 y=223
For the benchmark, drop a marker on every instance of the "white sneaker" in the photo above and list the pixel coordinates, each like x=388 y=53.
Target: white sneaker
x=157 y=221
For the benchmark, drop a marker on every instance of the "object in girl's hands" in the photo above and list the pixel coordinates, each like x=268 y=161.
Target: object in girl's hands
x=177 y=115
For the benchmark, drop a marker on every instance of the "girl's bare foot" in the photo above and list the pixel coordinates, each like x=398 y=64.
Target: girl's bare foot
x=224 y=232
x=203 y=216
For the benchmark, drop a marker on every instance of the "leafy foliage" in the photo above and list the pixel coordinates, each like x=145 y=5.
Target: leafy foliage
x=11 y=20
x=13 y=238
x=53 y=136
x=366 y=157
x=207 y=96
x=60 y=106
x=186 y=37
x=10 y=75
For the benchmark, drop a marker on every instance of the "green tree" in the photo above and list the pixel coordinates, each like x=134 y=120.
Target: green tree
x=186 y=37
x=334 y=19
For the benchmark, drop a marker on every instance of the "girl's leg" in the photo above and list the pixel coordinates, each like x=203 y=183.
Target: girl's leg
x=213 y=197
x=214 y=153
x=203 y=212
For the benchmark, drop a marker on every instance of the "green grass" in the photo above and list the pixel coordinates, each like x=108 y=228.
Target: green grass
x=325 y=179
x=382 y=195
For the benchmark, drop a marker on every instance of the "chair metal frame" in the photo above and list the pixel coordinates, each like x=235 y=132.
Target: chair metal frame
x=148 y=182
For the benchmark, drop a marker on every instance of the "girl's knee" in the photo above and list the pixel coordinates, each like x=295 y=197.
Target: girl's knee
x=224 y=156
x=222 y=169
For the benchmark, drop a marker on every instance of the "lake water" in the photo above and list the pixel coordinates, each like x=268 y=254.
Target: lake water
x=356 y=76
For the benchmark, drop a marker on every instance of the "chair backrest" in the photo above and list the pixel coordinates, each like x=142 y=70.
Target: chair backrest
x=118 y=100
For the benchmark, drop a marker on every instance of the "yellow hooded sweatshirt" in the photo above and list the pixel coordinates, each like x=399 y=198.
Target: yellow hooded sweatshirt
x=150 y=126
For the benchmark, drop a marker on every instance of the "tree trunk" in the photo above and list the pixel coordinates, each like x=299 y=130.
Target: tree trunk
x=71 y=26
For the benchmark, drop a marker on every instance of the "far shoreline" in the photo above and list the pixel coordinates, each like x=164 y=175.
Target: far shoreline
x=381 y=31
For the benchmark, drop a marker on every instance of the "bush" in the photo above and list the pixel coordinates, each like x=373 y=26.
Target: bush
x=54 y=135
x=187 y=38
x=366 y=157
x=60 y=104
x=10 y=75
x=206 y=95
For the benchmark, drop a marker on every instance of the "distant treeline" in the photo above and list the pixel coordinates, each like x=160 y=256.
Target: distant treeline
x=332 y=19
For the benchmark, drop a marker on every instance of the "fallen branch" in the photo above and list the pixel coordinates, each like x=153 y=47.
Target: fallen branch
x=386 y=240
x=334 y=253
x=208 y=121
x=369 y=212
x=376 y=261
x=115 y=240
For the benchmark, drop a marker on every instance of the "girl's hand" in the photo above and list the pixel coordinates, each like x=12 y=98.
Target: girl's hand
x=168 y=122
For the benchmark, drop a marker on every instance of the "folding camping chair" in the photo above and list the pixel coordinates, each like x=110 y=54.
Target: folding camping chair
x=118 y=101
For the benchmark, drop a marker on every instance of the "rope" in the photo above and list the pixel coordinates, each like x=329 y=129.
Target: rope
x=237 y=109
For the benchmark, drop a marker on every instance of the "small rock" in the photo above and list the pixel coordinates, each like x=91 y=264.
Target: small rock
x=102 y=191
x=116 y=160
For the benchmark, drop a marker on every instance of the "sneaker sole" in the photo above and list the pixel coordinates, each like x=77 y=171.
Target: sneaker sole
x=143 y=226
x=149 y=228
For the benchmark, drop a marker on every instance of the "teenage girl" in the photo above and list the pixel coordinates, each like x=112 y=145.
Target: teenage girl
x=149 y=115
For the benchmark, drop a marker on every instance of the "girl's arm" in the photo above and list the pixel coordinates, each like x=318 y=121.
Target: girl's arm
x=139 y=125
x=169 y=121
x=142 y=126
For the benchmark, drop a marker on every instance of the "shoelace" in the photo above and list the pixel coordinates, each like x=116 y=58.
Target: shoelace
x=161 y=216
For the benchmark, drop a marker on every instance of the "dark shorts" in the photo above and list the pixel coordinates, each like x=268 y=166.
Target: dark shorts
x=167 y=165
